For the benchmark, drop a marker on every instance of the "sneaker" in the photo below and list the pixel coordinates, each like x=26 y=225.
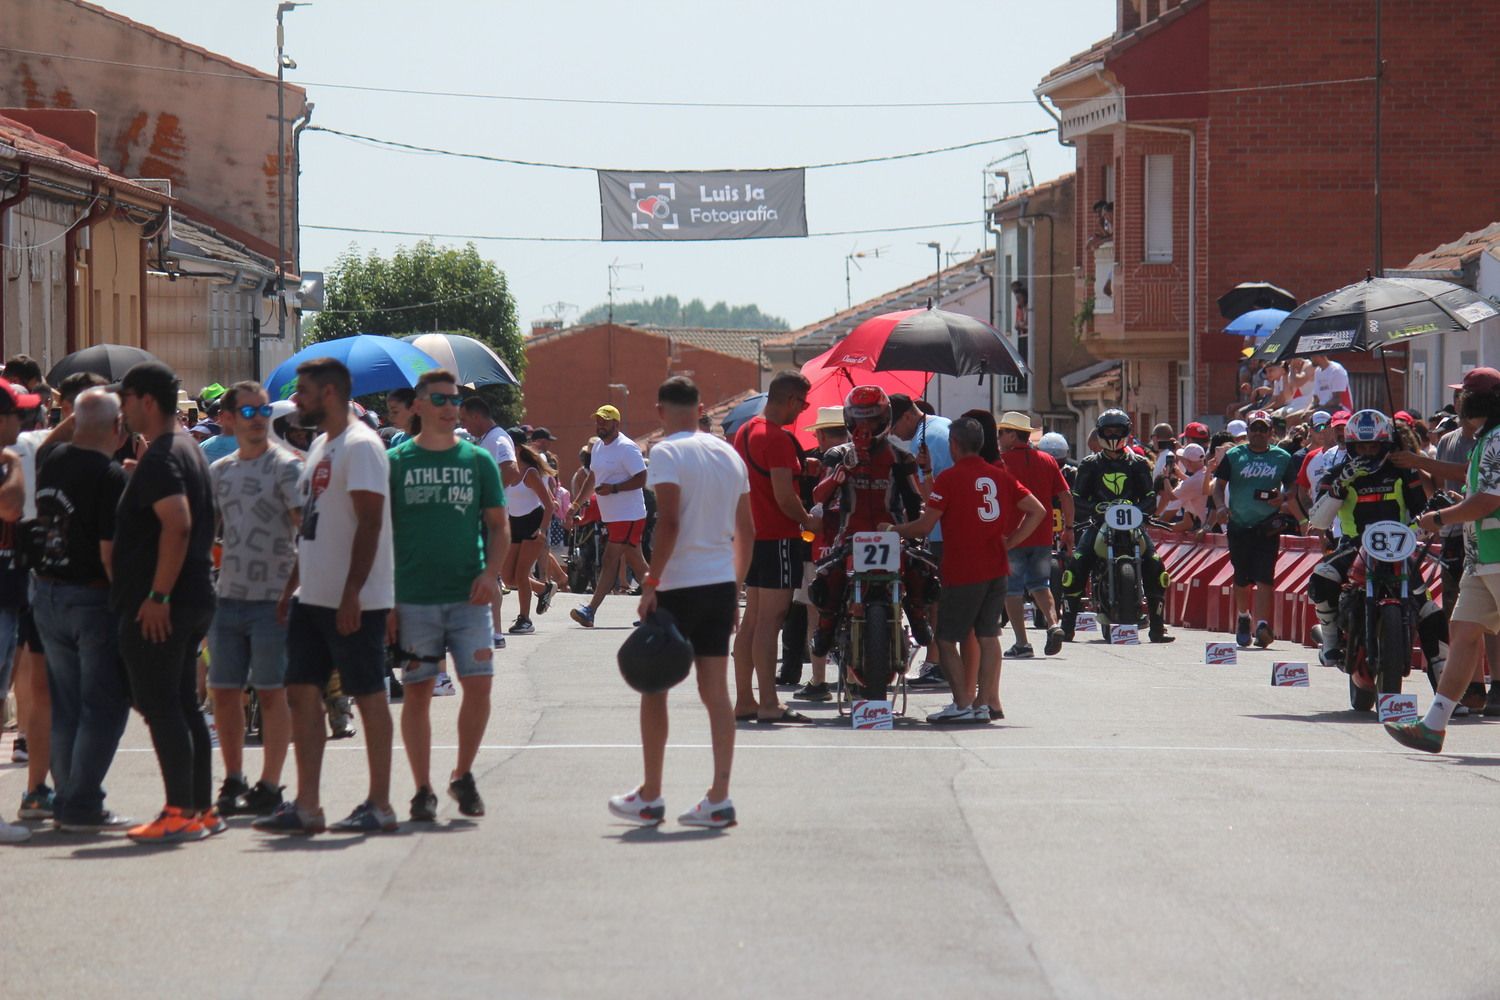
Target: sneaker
x=171 y=827
x=213 y=821
x=12 y=833
x=1054 y=641
x=262 y=800
x=341 y=726
x=463 y=791
x=498 y=639
x=813 y=692
x=633 y=809
x=522 y=626
x=367 y=819
x=1242 y=632
x=105 y=822
x=1474 y=699
x=229 y=795
x=583 y=615
x=289 y=819
x=443 y=686
x=1263 y=634
x=1492 y=703
x=951 y=714
x=18 y=754
x=980 y=714
x=931 y=676
x=1020 y=652
x=424 y=805
x=37 y=803
x=544 y=599
x=1414 y=733
x=714 y=815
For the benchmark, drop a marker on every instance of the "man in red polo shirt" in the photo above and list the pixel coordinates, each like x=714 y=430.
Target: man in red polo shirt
x=974 y=500
x=774 y=461
x=1031 y=561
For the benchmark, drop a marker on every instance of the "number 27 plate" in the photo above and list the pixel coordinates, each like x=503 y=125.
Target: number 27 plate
x=877 y=552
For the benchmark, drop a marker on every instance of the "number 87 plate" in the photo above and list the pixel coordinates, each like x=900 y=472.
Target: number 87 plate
x=876 y=552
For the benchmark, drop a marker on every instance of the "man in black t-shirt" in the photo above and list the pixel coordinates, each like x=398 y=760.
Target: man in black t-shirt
x=78 y=487
x=163 y=592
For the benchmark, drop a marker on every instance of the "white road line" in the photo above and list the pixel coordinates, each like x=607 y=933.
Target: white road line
x=943 y=748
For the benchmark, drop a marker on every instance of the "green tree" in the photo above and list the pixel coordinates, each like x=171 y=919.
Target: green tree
x=421 y=289
x=668 y=310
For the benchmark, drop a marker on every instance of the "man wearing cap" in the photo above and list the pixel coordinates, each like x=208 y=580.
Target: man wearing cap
x=1191 y=495
x=1239 y=430
x=1332 y=454
x=926 y=438
x=617 y=476
x=1257 y=476
x=1477 y=613
x=1031 y=561
x=221 y=443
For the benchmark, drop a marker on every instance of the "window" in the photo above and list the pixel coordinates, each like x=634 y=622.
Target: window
x=1158 y=201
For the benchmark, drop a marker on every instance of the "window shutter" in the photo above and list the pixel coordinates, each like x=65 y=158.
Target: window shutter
x=1158 y=198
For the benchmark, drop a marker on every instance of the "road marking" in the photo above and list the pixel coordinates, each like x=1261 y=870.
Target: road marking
x=889 y=747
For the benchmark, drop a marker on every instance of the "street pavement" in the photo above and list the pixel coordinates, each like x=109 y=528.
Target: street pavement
x=1140 y=825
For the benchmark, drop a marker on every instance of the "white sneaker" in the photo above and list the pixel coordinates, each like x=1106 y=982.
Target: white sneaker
x=951 y=714
x=443 y=687
x=980 y=714
x=714 y=815
x=633 y=809
x=10 y=833
x=498 y=638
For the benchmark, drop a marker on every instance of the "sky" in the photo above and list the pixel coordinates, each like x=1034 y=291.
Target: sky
x=771 y=51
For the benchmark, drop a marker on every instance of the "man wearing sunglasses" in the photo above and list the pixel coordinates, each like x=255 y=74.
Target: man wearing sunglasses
x=258 y=509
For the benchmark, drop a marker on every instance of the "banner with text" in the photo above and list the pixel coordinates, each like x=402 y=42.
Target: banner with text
x=702 y=205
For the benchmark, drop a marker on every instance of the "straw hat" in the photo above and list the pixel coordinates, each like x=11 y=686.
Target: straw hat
x=1015 y=420
x=829 y=417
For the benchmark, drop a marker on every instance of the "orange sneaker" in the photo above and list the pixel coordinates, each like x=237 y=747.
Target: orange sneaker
x=172 y=826
x=212 y=821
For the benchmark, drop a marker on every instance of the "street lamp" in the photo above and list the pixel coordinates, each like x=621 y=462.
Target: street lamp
x=284 y=62
x=938 y=249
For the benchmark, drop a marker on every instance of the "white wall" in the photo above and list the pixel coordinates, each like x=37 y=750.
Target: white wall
x=952 y=395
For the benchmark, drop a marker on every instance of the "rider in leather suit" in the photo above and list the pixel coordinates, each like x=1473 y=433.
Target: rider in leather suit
x=867 y=482
x=1113 y=474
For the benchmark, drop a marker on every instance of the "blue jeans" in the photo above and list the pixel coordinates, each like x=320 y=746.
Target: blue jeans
x=90 y=701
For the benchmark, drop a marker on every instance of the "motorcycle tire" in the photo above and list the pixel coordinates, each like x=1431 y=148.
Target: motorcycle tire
x=1395 y=649
x=1127 y=609
x=1359 y=699
x=875 y=666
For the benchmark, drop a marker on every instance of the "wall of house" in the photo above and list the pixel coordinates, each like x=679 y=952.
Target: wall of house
x=1056 y=349
x=213 y=136
x=568 y=377
x=36 y=309
x=114 y=284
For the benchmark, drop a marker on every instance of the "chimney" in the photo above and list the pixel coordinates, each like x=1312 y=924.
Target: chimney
x=542 y=326
x=75 y=128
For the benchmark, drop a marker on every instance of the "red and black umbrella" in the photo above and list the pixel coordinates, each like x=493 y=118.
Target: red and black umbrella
x=927 y=340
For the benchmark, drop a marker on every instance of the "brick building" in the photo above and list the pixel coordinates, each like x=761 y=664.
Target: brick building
x=571 y=372
x=1212 y=148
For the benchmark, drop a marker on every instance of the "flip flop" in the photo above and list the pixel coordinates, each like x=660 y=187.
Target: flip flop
x=747 y=717
x=787 y=716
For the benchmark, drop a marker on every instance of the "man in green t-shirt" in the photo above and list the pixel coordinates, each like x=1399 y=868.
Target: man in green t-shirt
x=1257 y=476
x=450 y=534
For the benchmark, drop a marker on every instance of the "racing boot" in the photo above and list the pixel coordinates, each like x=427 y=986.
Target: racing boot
x=1332 y=651
x=1068 y=620
x=1158 y=629
x=822 y=640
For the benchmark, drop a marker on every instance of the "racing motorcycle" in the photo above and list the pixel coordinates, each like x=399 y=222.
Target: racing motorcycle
x=1115 y=592
x=871 y=643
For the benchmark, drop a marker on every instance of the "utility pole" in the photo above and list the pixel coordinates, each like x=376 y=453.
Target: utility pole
x=614 y=276
x=283 y=63
x=1379 y=79
x=938 y=249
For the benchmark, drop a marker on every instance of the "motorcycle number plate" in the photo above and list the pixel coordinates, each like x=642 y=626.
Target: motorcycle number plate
x=1123 y=517
x=1389 y=541
x=877 y=552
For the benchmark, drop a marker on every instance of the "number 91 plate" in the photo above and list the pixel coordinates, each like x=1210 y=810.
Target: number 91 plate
x=876 y=551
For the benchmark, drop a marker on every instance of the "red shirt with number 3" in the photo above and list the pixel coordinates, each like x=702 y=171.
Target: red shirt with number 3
x=978 y=501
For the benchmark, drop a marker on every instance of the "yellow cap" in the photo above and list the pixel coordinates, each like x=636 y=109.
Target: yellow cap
x=607 y=412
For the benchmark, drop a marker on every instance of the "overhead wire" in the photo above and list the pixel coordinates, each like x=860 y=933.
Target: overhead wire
x=595 y=239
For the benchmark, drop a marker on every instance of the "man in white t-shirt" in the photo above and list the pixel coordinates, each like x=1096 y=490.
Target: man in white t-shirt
x=702 y=546
x=478 y=419
x=1331 y=385
x=339 y=596
x=617 y=476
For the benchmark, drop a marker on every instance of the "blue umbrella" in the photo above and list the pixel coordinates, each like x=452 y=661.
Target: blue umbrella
x=377 y=364
x=473 y=361
x=1257 y=322
x=736 y=418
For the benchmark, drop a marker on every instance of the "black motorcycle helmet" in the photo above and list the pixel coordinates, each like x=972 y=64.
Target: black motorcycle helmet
x=655 y=657
x=1113 y=425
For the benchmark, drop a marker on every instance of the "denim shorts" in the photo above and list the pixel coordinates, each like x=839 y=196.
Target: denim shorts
x=246 y=645
x=430 y=630
x=1030 y=570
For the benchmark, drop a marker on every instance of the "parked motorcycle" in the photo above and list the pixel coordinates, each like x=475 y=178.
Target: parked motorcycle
x=871 y=644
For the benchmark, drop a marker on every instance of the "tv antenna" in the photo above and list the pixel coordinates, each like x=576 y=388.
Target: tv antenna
x=614 y=276
x=854 y=257
x=560 y=310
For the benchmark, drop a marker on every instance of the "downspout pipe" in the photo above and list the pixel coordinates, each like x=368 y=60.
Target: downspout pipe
x=1190 y=404
x=96 y=214
x=22 y=190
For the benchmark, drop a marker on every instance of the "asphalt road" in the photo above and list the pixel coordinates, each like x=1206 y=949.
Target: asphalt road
x=1141 y=825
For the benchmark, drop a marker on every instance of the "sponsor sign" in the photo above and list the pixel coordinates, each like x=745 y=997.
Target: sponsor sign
x=701 y=205
x=872 y=715
x=1125 y=635
x=1289 y=675
x=1476 y=312
x=1322 y=343
x=1221 y=653
x=1397 y=707
x=1086 y=622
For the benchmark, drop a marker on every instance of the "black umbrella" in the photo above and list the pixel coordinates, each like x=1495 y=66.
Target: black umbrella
x=742 y=412
x=1374 y=313
x=927 y=340
x=111 y=361
x=1248 y=295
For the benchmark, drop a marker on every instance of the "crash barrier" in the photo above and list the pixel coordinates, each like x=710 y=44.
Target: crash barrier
x=1201 y=592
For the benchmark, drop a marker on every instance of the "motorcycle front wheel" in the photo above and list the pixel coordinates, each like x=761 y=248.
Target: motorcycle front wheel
x=1127 y=609
x=875 y=663
x=1395 y=649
